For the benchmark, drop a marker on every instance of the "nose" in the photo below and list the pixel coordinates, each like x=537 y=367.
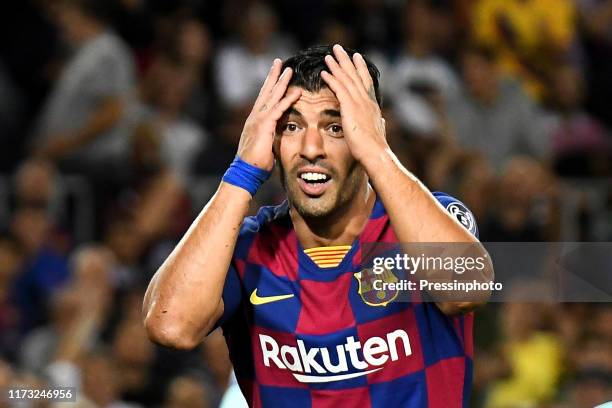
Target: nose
x=312 y=148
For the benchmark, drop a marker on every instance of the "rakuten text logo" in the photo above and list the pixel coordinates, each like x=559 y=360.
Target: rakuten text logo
x=301 y=361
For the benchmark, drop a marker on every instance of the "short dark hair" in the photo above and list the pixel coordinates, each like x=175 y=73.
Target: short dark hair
x=308 y=64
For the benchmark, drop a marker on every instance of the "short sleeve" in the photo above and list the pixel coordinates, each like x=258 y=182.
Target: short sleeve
x=458 y=210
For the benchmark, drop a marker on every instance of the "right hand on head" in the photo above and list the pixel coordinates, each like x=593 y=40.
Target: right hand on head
x=257 y=137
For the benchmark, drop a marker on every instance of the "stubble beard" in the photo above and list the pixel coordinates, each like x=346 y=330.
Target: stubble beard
x=330 y=202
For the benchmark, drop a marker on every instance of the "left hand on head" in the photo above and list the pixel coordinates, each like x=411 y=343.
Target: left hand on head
x=362 y=122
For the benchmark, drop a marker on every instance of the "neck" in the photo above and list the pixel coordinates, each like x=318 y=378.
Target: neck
x=341 y=227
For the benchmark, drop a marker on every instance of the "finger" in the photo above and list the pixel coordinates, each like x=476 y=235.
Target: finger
x=336 y=86
x=362 y=70
x=341 y=76
x=346 y=64
x=285 y=103
x=270 y=81
x=272 y=77
x=280 y=88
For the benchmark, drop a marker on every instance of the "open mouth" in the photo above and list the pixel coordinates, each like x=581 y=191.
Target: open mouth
x=314 y=182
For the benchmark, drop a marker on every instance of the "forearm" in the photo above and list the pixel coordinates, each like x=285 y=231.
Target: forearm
x=105 y=117
x=183 y=301
x=418 y=217
x=414 y=212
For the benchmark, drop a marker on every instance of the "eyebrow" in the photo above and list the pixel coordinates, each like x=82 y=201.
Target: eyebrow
x=332 y=112
x=327 y=112
x=293 y=111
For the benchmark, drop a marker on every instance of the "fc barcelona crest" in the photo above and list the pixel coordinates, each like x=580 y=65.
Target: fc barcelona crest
x=371 y=288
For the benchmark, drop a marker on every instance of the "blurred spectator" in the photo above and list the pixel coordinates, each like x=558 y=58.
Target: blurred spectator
x=39 y=347
x=151 y=210
x=134 y=21
x=529 y=36
x=581 y=145
x=194 y=51
x=492 y=115
x=10 y=318
x=590 y=389
x=36 y=185
x=82 y=123
x=468 y=174
x=133 y=354
x=187 y=392
x=43 y=269
x=377 y=26
x=101 y=382
x=596 y=22
x=89 y=291
x=534 y=358
x=128 y=246
x=216 y=358
x=243 y=64
x=417 y=75
x=334 y=31
x=525 y=207
x=164 y=93
x=11 y=114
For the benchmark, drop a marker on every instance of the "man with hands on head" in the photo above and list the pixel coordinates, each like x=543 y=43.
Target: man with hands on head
x=282 y=284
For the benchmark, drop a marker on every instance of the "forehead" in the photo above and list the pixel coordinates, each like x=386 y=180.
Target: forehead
x=316 y=102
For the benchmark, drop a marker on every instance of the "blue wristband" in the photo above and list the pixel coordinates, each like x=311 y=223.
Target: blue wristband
x=244 y=175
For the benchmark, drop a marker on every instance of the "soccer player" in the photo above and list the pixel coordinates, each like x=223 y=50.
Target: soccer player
x=282 y=284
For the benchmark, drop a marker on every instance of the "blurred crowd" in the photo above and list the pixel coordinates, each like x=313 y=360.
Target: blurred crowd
x=118 y=117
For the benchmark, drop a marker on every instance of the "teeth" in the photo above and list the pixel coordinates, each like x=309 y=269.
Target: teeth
x=310 y=176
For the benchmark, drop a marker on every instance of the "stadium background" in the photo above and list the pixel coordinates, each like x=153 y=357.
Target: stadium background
x=502 y=103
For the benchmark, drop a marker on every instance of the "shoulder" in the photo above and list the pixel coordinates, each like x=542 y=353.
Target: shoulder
x=459 y=210
x=266 y=216
x=261 y=229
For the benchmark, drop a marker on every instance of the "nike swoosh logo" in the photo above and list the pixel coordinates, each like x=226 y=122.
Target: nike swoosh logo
x=262 y=300
x=330 y=378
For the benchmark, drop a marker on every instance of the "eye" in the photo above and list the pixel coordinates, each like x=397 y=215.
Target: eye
x=335 y=130
x=290 y=127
